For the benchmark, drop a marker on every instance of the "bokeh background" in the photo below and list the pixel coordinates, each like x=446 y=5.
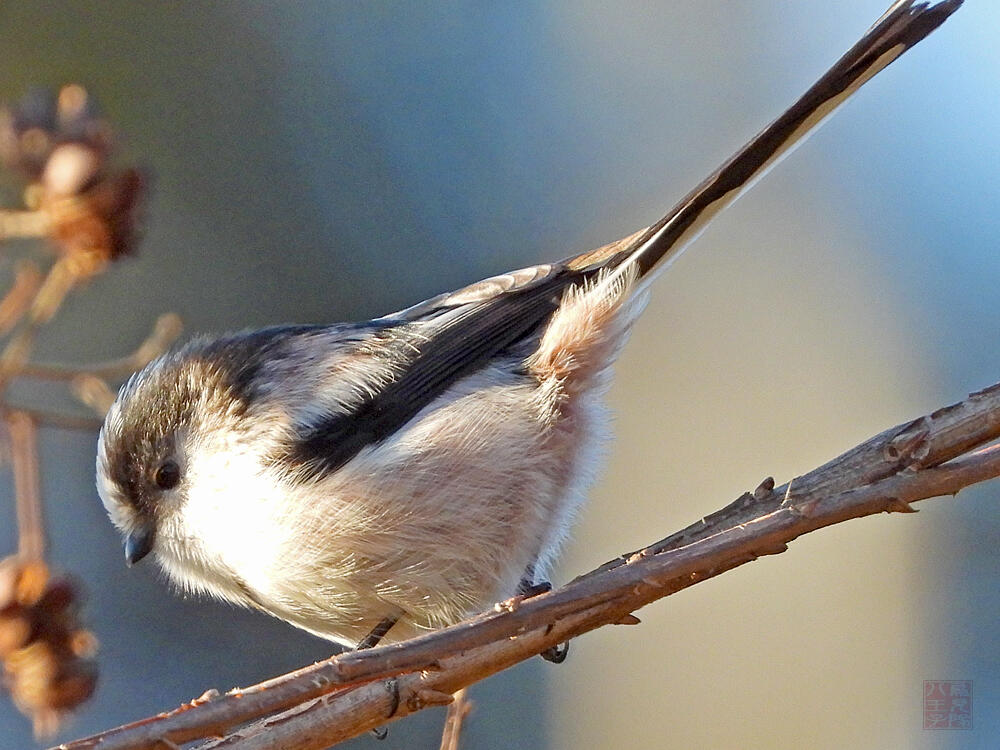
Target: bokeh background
x=320 y=161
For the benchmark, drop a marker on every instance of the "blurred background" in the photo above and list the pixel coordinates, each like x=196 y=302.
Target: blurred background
x=324 y=161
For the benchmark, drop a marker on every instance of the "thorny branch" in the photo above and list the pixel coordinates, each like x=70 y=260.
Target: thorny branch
x=937 y=454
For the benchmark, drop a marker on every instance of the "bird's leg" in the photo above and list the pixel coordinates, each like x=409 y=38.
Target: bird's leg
x=371 y=641
x=528 y=588
x=378 y=633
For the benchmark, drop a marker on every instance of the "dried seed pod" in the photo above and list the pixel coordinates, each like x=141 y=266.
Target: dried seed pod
x=62 y=145
x=48 y=664
x=100 y=224
x=15 y=629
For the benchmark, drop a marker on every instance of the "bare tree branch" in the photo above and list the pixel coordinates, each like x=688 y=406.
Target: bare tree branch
x=457 y=711
x=165 y=331
x=84 y=212
x=23 y=436
x=350 y=693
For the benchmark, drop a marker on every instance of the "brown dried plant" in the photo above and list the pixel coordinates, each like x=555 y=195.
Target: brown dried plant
x=80 y=214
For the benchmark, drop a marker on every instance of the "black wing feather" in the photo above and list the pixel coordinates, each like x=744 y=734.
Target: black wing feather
x=435 y=345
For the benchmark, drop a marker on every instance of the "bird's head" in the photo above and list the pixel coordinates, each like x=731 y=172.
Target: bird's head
x=170 y=420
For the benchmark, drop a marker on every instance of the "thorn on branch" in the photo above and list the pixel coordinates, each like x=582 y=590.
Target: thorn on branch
x=787 y=499
x=777 y=549
x=428 y=697
x=896 y=505
x=209 y=695
x=910 y=446
x=764 y=489
x=628 y=619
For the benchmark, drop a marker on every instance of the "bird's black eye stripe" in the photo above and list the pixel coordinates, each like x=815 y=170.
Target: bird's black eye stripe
x=167 y=475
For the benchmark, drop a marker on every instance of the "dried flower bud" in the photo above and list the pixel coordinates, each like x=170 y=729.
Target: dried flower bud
x=42 y=121
x=70 y=169
x=15 y=629
x=61 y=144
x=100 y=224
x=47 y=659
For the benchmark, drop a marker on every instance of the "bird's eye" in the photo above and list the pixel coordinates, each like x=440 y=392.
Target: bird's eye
x=167 y=475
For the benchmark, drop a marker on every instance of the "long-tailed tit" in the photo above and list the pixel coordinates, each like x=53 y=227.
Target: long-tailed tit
x=404 y=472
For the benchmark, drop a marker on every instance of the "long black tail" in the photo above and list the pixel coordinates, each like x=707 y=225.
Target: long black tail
x=901 y=27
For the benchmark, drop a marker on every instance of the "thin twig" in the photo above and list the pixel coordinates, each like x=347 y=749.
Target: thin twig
x=24 y=224
x=57 y=284
x=165 y=331
x=346 y=695
x=64 y=274
x=92 y=391
x=24 y=457
x=27 y=280
x=457 y=712
x=44 y=418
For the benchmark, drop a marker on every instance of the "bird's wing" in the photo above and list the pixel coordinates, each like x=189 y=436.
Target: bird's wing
x=423 y=350
x=417 y=354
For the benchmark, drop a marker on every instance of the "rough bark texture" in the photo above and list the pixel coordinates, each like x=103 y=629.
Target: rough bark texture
x=354 y=692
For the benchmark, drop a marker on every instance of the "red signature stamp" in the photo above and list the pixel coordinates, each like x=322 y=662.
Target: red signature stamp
x=947 y=704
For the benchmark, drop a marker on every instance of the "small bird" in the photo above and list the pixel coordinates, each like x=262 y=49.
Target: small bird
x=374 y=480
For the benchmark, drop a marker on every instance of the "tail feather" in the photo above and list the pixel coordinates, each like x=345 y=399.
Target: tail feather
x=902 y=26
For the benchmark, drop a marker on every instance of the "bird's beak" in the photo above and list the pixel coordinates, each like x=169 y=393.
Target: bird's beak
x=138 y=543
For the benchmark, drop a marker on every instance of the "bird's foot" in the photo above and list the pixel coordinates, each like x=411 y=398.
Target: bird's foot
x=525 y=590
x=556 y=654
